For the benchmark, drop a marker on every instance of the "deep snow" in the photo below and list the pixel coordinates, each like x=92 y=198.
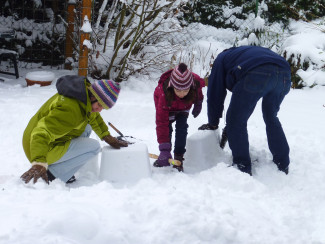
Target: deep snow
x=211 y=203
x=215 y=205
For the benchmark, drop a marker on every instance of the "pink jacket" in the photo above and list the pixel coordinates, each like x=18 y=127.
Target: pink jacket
x=178 y=105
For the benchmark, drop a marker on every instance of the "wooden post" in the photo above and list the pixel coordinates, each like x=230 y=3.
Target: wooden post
x=69 y=40
x=256 y=9
x=83 y=53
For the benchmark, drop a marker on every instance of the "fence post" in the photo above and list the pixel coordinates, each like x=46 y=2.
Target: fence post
x=69 y=39
x=256 y=10
x=83 y=53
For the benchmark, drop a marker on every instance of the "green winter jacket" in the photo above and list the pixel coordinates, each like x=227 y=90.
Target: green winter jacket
x=62 y=118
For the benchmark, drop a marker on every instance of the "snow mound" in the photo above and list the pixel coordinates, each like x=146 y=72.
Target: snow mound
x=203 y=151
x=125 y=166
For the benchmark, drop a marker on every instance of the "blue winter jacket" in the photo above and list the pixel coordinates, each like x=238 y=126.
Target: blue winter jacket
x=229 y=67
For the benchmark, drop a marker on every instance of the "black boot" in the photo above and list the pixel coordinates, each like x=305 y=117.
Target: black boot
x=156 y=164
x=72 y=179
x=282 y=168
x=285 y=170
x=180 y=158
x=50 y=176
x=245 y=168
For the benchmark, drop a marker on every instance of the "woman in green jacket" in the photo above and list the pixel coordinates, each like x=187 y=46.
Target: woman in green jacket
x=56 y=140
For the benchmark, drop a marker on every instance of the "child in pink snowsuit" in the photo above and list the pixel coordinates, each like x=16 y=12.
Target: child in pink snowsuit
x=177 y=90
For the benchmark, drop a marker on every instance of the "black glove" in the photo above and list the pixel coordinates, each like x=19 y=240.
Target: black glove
x=38 y=170
x=115 y=143
x=197 y=109
x=224 y=138
x=208 y=127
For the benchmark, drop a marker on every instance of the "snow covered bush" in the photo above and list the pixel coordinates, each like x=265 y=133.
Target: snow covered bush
x=142 y=36
x=218 y=12
x=131 y=36
x=271 y=24
x=305 y=50
x=39 y=31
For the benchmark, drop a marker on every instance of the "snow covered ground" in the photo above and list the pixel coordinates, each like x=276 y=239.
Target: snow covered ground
x=210 y=203
x=218 y=205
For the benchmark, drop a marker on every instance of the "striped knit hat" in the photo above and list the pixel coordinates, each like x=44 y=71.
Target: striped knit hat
x=106 y=92
x=181 y=78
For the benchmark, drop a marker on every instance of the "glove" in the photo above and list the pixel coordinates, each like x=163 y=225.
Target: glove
x=208 y=127
x=38 y=170
x=164 y=154
x=197 y=109
x=115 y=143
x=224 y=138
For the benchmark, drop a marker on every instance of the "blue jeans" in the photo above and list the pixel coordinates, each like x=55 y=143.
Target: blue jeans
x=271 y=83
x=80 y=151
x=181 y=130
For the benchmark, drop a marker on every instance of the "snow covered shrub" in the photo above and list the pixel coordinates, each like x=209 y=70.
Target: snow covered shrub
x=39 y=31
x=218 y=13
x=284 y=10
x=131 y=36
x=295 y=64
x=242 y=17
x=305 y=51
x=264 y=24
x=269 y=26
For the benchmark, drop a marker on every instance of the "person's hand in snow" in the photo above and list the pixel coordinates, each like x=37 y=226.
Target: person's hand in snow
x=38 y=170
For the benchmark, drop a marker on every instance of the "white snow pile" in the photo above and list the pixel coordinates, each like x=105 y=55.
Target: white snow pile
x=210 y=202
x=307 y=45
x=40 y=76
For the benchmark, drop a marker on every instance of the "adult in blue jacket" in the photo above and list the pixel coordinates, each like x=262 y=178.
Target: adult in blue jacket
x=250 y=73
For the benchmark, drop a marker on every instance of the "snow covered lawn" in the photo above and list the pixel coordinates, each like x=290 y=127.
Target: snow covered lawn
x=219 y=205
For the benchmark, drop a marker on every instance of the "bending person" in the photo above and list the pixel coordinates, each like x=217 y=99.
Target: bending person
x=251 y=73
x=56 y=140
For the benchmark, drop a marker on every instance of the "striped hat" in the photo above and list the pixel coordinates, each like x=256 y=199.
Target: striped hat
x=181 y=78
x=106 y=92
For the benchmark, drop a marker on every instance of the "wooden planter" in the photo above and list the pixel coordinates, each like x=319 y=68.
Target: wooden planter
x=43 y=78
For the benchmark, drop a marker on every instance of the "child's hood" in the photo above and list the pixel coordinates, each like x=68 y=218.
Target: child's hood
x=73 y=86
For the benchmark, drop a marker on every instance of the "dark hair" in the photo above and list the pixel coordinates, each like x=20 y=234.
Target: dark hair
x=191 y=97
x=91 y=96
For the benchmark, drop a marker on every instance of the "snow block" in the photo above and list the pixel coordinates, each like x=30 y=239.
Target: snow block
x=202 y=151
x=127 y=165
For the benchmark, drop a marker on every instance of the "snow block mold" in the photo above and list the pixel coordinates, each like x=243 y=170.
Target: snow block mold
x=127 y=165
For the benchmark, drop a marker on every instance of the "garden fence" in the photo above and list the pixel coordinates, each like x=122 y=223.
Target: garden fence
x=40 y=29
